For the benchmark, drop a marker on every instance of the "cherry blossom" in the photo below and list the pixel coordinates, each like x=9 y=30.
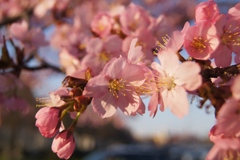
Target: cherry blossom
x=206 y=11
x=113 y=57
x=102 y=24
x=145 y=39
x=229 y=32
x=234 y=11
x=43 y=6
x=172 y=84
x=201 y=40
x=133 y=18
x=70 y=62
x=115 y=87
x=224 y=147
x=100 y=52
x=29 y=38
x=228 y=116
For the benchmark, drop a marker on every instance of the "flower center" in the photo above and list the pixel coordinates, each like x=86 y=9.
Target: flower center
x=102 y=23
x=116 y=86
x=231 y=36
x=103 y=56
x=166 y=82
x=198 y=44
x=82 y=46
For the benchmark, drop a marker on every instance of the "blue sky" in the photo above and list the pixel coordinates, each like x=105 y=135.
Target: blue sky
x=197 y=123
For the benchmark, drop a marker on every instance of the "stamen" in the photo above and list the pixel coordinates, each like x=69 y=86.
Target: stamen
x=104 y=57
x=231 y=155
x=165 y=40
x=117 y=86
x=145 y=89
x=165 y=82
x=231 y=36
x=44 y=101
x=198 y=44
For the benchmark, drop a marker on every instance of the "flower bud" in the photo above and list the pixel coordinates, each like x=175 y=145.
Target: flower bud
x=64 y=144
x=48 y=121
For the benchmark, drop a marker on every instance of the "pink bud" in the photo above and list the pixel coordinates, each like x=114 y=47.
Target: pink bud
x=64 y=144
x=48 y=121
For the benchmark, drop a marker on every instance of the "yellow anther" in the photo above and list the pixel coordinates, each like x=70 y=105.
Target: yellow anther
x=199 y=44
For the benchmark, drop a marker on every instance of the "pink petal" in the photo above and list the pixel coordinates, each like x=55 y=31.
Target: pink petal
x=95 y=45
x=129 y=103
x=177 y=101
x=213 y=153
x=224 y=57
x=236 y=88
x=66 y=151
x=153 y=104
x=96 y=87
x=114 y=67
x=187 y=75
x=135 y=53
x=169 y=61
x=133 y=74
x=158 y=68
x=113 y=44
x=176 y=42
x=104 y=107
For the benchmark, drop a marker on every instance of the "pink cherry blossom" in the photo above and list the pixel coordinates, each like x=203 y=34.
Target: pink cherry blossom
x=145 y=39
x=234 y=12
x=60 y=36
x=69 y=62
x=102 y=24
x=100 y=52
x=172 y=80
x=228 y=116
x=115 y=87
x=29 y=38
x=201 y=40
x=17 y=7
x=228 y=119
x=42 y=7
x=175 y=42
x=206 y=11
x=229 y=33
x=64 y=144
x=135 y=54
x=48 y=121
x=133 y=18
x=224 y=148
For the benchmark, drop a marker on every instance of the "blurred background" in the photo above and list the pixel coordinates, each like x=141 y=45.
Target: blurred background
x=120 y=137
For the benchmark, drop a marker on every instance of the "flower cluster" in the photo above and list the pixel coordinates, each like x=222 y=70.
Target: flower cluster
x=114 y=56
